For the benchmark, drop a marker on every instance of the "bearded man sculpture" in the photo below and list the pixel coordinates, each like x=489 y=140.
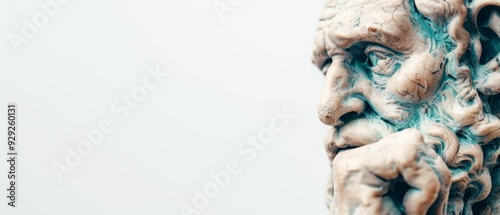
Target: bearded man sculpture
x=412 y=103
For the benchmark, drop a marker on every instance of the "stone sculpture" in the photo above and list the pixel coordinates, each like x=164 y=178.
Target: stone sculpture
x=412 y=103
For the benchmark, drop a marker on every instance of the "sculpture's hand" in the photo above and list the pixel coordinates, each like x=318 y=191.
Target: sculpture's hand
x=398 y=173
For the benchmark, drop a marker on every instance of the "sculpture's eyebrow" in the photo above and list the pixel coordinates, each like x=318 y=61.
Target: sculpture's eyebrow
x=390 y=38
x=393 y=31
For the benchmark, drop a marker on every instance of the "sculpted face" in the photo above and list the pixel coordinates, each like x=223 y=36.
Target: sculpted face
x=381 y=67
x=405 y=77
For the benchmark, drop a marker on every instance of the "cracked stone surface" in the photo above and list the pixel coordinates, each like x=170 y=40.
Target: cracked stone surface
x=412 y=103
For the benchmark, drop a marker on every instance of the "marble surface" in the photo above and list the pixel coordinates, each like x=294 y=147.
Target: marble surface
x=412 y=102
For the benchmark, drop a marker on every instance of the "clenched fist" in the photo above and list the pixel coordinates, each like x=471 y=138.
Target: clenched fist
x=398 y=174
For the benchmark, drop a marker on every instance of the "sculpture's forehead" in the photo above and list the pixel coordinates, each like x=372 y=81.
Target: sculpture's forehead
x=386 y=22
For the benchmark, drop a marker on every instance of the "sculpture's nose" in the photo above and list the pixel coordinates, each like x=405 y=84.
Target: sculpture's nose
x=339 y=98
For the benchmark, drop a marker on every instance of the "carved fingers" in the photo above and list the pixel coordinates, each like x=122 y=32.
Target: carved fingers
x=399 y=173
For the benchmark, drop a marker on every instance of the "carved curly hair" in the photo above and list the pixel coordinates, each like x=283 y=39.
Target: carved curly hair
x=465 y=126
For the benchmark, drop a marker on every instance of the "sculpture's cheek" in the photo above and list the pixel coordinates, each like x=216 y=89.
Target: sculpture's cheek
x=418 y=78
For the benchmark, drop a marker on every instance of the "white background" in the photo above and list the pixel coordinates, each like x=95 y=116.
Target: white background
x=226 y=78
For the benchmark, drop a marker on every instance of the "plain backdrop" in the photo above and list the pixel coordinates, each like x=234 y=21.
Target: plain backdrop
x=226 y=78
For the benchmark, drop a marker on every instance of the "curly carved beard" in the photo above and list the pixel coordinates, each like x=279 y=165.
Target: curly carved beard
x=459 y=124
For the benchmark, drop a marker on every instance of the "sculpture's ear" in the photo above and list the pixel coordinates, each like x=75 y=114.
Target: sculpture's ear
x=488 y=24
x=486 y=14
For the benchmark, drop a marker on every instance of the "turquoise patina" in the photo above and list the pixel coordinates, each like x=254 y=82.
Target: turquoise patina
x=403 y=77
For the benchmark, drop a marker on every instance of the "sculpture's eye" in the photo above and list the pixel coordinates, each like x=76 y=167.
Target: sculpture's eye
x=382 y=61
